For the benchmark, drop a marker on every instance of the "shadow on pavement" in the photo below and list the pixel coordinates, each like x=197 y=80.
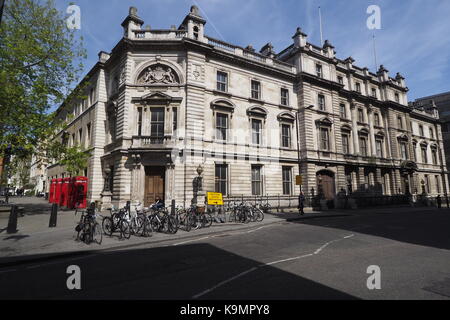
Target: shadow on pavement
x=163 y=273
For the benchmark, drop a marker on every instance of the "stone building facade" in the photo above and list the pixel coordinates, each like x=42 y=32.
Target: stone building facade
x=442 y=103
x=165 y=102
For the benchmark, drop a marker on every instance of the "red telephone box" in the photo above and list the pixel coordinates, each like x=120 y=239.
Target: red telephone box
x=78 y=195
x=57 y=195
x=65 y=192
x=52 y=188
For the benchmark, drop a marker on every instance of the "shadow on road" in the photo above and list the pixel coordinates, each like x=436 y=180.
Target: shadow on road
x=429 y=228
x=163 y=273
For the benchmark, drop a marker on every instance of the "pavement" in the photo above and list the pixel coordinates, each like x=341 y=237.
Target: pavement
x=321 y=255
x=34 y=237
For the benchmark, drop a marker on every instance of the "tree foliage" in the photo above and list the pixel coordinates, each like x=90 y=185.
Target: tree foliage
x=40 y=61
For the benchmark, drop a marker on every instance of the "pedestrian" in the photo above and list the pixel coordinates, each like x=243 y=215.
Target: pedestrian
x=439 y=201
x=301 y=203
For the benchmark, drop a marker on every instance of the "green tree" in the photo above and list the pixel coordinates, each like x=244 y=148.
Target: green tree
x=40 y=61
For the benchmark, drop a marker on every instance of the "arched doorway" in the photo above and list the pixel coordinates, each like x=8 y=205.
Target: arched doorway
x=325 y=184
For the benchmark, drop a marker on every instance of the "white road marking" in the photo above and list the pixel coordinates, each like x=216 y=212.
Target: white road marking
x=193 y=240
x=268 y=264
x=255 y=229
x=224 y=282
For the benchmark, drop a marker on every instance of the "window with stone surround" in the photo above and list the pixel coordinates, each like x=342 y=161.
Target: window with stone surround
x=319 y=71
x=379 y=147
x=342 y=111
x=346 y=143
x=285 y=135
x=363 y=146
x=157 y=124
x=256 y=131
x=287 y=180
x=284 y=97
x=360 y=115
x=256 y=90
x=321 y=102
x=376 y=119
x=434 y=155
x=222 y=126
x=222 y=81
x=257 y=183
x=221 y=179
x=403 y=150
x=423 y=149
x=324 y=139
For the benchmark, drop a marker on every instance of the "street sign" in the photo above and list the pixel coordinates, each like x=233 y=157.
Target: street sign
x=215 y=199
x=298 y=180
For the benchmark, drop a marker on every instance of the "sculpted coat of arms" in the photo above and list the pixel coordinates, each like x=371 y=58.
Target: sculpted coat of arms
x=158 y=74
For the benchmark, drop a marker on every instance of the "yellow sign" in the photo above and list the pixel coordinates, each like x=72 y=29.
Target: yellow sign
x=215 y=199
x=298 y=180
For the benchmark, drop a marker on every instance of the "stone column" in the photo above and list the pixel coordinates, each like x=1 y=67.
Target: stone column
x=354 y=176
x=371 y=131
x=397 y=181
x=354 y=128
x=362 y=181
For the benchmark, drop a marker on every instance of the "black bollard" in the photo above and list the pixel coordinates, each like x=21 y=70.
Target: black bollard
x=12 y=223
x=53 y=216
x=173 y=207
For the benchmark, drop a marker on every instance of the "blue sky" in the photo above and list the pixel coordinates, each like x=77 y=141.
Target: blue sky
x=414 y=38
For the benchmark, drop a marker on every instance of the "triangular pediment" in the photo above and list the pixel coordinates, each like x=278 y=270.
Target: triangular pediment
x=157 y=96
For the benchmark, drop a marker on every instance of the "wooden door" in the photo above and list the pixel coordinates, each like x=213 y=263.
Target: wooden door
x=325 y=184
x=154 y=184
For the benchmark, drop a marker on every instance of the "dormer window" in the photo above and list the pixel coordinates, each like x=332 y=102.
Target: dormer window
x=319 y=70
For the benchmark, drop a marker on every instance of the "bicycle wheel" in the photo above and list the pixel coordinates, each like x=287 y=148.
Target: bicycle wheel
x=232 y=217
x=187 y=222
x=207 y=220
x=134 y=226
x=259 y=215
x=147 y=230
x=125 y=230
x=155 y=223
x=172 y=226
x=98 y=235
x=108 y=226
x=88 y=233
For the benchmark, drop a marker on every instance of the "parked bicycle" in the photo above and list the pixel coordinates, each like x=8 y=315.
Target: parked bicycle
x=88 y=229
x=118 y=221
